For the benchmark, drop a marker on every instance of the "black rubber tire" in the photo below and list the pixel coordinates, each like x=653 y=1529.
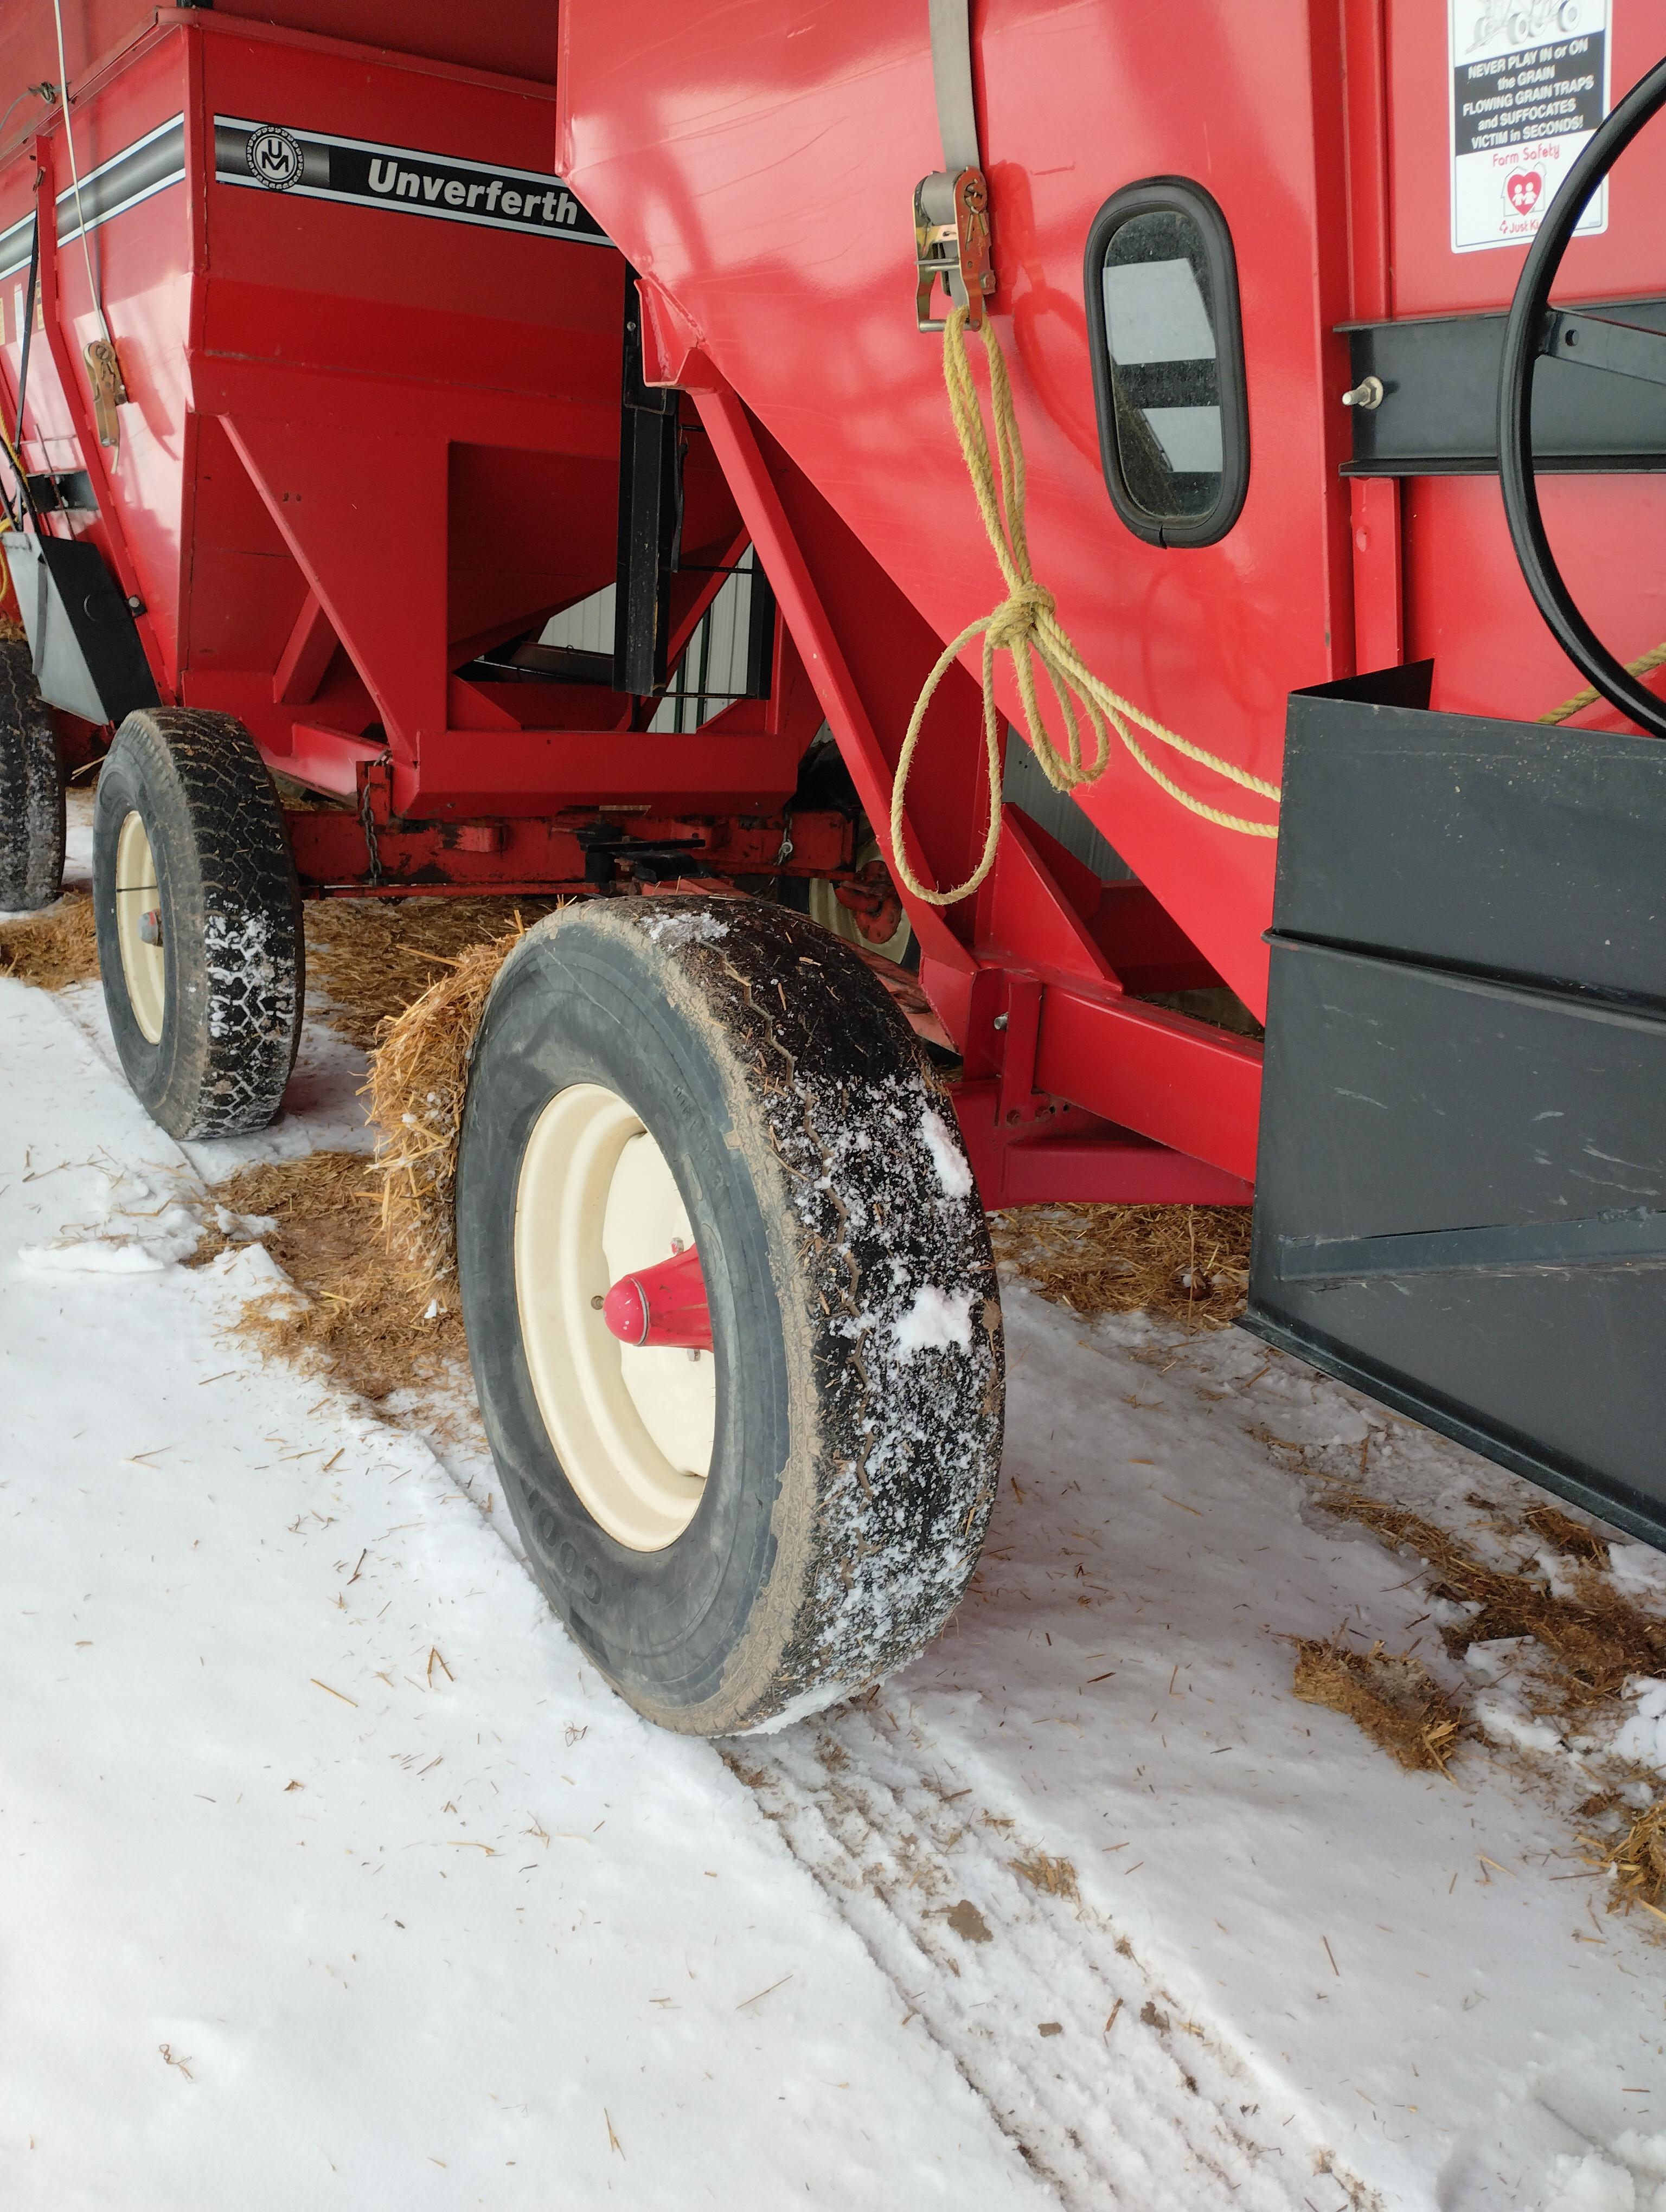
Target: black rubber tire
x=823 y=1177
x=230 y=909
x=30 y=788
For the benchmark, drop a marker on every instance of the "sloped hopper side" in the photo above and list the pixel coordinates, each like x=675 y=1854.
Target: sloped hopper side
x=1461 y=1194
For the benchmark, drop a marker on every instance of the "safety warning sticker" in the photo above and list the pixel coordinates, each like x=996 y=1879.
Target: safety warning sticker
x=1529 y=85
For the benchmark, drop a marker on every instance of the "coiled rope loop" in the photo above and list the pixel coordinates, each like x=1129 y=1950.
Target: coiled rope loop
x=1026 y=625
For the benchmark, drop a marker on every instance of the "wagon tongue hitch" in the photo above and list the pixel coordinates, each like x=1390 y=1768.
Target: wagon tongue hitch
x=665 y=1304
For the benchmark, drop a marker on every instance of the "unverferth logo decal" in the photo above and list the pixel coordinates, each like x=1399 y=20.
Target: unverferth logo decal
x=274 y=159
x=314 y=165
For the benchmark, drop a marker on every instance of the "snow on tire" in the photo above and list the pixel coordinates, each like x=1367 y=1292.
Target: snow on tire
x=198 y=916
x=31 y=786
x=647 y=1067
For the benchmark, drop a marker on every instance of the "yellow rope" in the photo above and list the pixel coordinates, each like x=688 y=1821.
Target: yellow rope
x=1026 y=625
x=6 y=522
x=1655 y=658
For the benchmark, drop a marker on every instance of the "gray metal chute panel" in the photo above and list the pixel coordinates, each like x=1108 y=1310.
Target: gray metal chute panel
x=1461 y=1195
x=87 y=657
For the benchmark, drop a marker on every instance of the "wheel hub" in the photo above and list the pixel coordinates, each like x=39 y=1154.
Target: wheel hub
x=664 y=1305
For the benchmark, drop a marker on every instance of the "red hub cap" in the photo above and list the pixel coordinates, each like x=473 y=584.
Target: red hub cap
x=662 y=1305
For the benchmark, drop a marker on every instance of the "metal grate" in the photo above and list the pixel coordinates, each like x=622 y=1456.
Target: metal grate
x=720 y=664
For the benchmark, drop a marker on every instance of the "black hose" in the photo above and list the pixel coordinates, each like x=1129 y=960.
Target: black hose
x=29 y=327
x=1522 y=335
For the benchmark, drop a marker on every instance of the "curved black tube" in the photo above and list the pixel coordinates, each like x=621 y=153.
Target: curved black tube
x=1521 y=349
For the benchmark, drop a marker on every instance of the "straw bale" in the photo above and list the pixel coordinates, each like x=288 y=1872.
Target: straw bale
x=1187 y=1263
x=371 y=958
x=54 y=948
x=418 y=1078
x=1391 y=1695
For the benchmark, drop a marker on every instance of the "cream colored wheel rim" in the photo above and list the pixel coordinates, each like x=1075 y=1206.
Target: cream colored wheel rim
x=143 y=968
x=632 y=1426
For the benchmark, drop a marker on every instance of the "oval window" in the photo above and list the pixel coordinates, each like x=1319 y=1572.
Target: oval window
x=1168 y=361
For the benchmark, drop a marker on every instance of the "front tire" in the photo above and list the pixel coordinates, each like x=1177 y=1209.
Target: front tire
x=824 y=1520
x=198 y=916
x=31 y=786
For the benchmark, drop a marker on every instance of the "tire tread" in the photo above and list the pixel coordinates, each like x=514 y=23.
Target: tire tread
x=32 y=818
x=233 y=1022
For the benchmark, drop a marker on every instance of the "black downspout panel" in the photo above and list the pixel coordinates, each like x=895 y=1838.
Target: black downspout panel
x=648 y=517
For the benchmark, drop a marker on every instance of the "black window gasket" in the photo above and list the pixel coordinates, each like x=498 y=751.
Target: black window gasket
x=1177 y=195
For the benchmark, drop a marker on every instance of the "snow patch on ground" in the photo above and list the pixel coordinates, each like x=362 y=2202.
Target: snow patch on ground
x=1643 y=1736
x=1593 y=2184
x=1638 y=1569
x=1502 y=1710
x=129 y=1224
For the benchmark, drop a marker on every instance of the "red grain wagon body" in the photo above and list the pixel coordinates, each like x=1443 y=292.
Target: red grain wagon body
x=381 y=399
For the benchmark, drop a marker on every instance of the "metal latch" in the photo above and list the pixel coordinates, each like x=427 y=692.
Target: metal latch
x=954 y=246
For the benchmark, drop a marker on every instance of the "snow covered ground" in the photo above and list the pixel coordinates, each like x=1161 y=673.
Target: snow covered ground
x=333 y=1874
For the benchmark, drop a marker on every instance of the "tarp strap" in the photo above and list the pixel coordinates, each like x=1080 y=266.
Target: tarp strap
x=951 y=72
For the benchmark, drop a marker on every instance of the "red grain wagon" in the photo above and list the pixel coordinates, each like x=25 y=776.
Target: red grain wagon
x=1274 y=290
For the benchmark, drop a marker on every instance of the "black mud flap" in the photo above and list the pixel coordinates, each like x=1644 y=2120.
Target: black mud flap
x=85 y=647
x=1462 y=1193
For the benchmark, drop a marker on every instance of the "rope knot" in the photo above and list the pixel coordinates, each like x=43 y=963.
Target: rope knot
x=1026 y=618
x=1014 y=622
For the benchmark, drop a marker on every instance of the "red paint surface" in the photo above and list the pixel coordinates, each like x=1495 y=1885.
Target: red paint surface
x=760 y=165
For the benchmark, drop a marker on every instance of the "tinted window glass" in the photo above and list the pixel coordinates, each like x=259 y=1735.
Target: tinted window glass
x=1165 y=366
x=1167 y=353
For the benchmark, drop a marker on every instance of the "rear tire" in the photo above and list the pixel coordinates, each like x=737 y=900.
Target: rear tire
x=855 y=1437
x=198 y=916
x=30 y=788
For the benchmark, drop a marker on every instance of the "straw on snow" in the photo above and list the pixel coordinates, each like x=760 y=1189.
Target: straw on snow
x=54 y=948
